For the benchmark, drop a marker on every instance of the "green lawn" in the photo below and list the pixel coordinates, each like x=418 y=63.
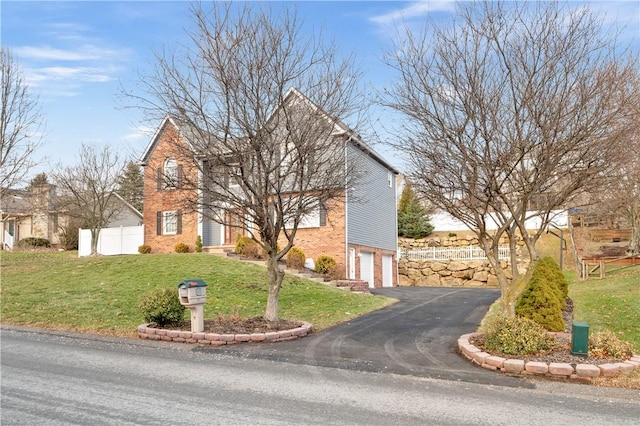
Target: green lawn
x=100 y=294
x=612 y=303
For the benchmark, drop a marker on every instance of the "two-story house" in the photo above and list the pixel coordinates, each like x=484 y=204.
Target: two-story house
x=358 y=229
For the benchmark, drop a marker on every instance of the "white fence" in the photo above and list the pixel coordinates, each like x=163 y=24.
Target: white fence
x=112 y=241
x=451 y=253
x=8 y=240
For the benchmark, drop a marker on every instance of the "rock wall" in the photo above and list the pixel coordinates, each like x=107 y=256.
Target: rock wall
x=450 y=240
x=453 y=273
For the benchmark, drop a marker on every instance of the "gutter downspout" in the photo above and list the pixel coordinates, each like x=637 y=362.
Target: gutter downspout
x=347 y=266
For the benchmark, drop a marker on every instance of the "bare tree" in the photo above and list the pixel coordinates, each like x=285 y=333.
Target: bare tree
x=268 y=154
x=512 y=105
x=20 y=124
x=87 y=188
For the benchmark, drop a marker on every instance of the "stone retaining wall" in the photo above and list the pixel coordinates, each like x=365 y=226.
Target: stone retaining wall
x=453 y=273
x=214 y=339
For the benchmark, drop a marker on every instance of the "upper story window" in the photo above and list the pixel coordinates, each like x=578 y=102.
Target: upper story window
x=390 y=179
x=169 y=175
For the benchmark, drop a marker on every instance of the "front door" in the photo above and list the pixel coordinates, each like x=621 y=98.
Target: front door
x=232 y=228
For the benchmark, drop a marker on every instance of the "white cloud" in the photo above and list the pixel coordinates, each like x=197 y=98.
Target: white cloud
x=50 y=53
x=138 y=134
x=415 y=10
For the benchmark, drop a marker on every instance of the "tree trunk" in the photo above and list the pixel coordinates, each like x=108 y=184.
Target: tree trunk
x=634 y=241
x=94 y=241
x=275 y=282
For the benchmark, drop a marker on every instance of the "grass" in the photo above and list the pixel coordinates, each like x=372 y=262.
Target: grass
x=612 y=303
x=100 y=294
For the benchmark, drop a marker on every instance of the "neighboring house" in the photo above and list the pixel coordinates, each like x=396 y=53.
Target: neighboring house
x=359 y=231
x=37 y=212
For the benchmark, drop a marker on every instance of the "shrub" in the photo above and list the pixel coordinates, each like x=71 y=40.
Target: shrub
x=198 y=244
x=607 y=345
x=295 y=258
x=549 y=269
x=324 y=263
x=336 y=272
x=539 y=302
x=181 y=248
x=245 y=246
x=31 y=242
x=144 y=249
x=162 y=307
x=516 y=336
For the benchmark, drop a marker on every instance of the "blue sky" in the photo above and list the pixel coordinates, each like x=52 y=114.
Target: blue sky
x=76 y=55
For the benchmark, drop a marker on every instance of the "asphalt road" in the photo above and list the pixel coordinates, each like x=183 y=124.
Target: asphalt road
x=61 y=378
x=416 y=336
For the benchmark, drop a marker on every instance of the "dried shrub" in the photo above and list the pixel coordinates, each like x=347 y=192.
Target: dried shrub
x=33 y=242
x=295 y=258
x=162 y=307
x=245 y=246
x=144 y=249
x=181 y=248
x=336 y=272
x=324 y=263
x=517 y=336
x=606 y=344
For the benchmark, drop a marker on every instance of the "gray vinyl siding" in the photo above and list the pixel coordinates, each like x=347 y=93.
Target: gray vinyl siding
x=371 y=205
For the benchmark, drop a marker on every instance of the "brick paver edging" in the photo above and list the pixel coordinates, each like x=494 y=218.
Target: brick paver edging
x=554 y=369
x=215 y=339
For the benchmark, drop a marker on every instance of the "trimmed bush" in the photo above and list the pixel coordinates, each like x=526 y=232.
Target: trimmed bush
x=245 y=246
x=324 y=263
x=295 y=258
x=162 y=307
x=31 y=242
x=516 y=336
x=181 y=248
x=607 y=345
x=144 y=249
x=539 y=302
x=198 y=244
x=550 y=270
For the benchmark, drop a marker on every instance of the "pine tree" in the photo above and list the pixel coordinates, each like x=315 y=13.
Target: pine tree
x=413 y=220
x=130 y=185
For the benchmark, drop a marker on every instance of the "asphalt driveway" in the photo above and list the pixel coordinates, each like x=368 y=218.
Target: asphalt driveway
x=416 y=336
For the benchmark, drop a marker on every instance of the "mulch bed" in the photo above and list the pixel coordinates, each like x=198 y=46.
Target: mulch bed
x=562 y=353
x=234 y=325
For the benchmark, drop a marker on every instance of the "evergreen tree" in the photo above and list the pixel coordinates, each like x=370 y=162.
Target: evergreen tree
x=130 y=185
x=413 y=220
x=39 y=179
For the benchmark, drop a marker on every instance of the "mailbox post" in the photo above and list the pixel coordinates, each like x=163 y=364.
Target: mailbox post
x=193 y=294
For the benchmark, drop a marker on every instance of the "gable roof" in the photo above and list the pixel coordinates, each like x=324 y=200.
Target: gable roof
x=188 y=134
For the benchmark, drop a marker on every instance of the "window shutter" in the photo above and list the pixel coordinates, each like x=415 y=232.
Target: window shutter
x=180 y=175
x=159 y=180
x=323 y=213
x=159 y=223
x=179 y=222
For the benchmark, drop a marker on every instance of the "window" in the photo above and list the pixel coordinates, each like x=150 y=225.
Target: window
x=390 y=179
x=169 y=222
x=170 y=173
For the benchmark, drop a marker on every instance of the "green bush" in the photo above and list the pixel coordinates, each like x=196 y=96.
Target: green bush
x=245 y=246
x=162 y=307
x=324 y=264
x=31 y=242
x=607 y=345
x=516 y=336
x=539 y=302
x=198 y=244
x=549 y=269
x=144 y=249
x=181 y=248
x=295 y=258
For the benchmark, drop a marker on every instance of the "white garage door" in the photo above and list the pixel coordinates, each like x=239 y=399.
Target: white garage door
x=387 y=270
x=366 y=267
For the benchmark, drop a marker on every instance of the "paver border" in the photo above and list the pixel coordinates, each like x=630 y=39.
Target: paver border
x=146 y=332
x=583 y=372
